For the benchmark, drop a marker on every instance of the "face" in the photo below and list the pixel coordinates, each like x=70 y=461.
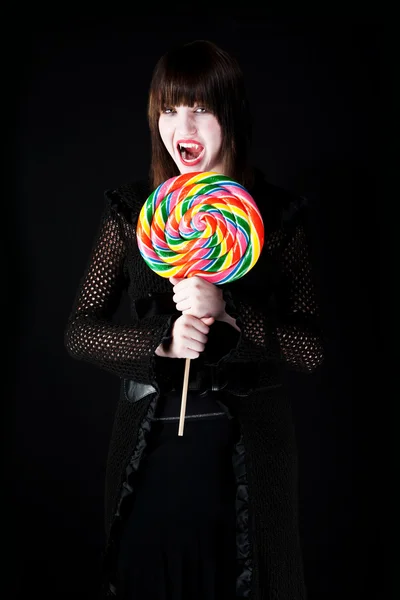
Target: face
x=192 y=136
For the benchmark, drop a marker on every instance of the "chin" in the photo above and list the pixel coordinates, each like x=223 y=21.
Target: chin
x=183 y=169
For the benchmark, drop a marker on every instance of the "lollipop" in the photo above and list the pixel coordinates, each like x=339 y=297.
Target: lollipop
x=200 y=224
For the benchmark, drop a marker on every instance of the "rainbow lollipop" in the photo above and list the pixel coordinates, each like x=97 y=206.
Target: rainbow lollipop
x=200 y=224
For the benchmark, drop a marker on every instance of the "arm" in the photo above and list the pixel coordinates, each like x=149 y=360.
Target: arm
x=283 y=325
x=90 y=334
x=297 y=331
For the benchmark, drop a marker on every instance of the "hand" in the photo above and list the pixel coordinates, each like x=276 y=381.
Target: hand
x=189 y=337
x=197 y=297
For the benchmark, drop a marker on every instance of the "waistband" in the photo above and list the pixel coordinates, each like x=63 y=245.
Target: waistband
x=198 y=406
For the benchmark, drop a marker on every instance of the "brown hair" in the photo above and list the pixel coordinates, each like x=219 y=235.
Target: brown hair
x=200 y=72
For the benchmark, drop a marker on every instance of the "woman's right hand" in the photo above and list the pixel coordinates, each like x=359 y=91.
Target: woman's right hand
x=189 y=337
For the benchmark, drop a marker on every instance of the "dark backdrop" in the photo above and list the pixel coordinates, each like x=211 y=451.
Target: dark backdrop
x=81 y=91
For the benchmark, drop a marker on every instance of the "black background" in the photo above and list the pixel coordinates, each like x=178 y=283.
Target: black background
x=81 y=92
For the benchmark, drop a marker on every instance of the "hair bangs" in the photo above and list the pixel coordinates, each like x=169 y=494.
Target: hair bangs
x=185 y=89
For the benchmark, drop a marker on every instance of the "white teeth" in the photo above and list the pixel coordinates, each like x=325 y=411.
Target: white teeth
x=195 y=146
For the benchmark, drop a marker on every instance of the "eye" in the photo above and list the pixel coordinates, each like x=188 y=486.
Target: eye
x=168 y=110
x=200 y=109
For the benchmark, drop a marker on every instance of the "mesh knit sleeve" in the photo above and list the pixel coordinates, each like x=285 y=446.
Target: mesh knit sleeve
x=90 y=334
x=298 y=329
x=283 y=325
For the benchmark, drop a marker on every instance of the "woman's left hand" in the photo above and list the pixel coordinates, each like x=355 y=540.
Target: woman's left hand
x=198 y=297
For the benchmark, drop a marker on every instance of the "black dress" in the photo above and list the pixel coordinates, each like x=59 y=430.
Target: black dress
x=179 y=540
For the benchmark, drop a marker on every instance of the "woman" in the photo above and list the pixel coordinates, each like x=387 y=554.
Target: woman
x=212 y=514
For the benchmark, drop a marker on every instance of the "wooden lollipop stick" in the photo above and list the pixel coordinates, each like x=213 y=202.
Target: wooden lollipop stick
x=184 y=395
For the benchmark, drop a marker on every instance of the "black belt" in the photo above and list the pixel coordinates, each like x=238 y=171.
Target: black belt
x=198 y=406
x=202 y=380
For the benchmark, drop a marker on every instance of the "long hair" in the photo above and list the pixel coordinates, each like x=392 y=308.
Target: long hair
x=200 y=72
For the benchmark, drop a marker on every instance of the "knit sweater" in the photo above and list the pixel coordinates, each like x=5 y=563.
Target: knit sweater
x=276 y=311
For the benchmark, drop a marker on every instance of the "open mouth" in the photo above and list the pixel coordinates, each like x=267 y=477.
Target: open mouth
x=190 y=152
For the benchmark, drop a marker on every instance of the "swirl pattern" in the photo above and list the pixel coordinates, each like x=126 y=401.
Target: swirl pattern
x=202 y=224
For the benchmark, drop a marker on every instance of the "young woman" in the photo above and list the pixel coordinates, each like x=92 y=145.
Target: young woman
x=211 y=515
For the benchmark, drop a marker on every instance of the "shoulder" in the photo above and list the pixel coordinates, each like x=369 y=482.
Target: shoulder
x=128 y=198
x=279 y=207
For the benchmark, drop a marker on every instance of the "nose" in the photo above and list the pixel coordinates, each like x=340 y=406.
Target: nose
x=186 y=123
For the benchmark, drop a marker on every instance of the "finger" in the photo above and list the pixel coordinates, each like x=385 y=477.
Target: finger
x=175 y=280
x=180 y=285
x=202 y=327
x=184 y=305
x=197 y=324
x=200 y=282
x=179 y=296
x=195 y=345
x=191 y=354
x=198 y=336
x=189 y=283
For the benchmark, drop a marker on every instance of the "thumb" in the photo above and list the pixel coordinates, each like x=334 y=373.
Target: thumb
x=208 y=320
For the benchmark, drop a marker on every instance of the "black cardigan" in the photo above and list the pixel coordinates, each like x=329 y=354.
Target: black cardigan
x=276 y=310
